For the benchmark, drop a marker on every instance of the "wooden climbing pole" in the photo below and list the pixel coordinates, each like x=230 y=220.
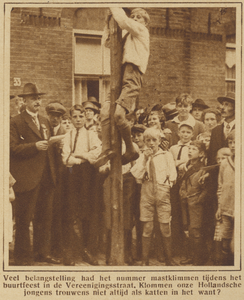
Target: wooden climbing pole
x=117 y=233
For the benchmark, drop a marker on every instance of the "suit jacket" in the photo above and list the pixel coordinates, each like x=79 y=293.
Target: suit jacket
x=26 y=162
x=217 y=141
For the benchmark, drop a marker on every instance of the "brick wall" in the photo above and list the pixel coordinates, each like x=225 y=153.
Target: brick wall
x=183 y=57
x=41 y=54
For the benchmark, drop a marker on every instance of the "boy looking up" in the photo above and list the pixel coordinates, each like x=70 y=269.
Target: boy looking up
x=193 y=195
x=157 y=170
x=134 y=61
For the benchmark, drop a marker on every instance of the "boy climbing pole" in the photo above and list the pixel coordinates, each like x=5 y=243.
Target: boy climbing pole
x=134 y=65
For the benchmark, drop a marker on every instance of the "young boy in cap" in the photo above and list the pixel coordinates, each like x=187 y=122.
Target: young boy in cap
x=92 y=107
x=81 y=148
x=197 y=109
x=192 y=196
x=134 y=61
x=156 y=169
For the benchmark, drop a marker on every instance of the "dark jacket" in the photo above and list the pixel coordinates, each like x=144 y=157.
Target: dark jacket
x=26 y=162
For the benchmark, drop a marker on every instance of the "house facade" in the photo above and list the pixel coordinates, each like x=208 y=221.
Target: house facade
x=60 y=49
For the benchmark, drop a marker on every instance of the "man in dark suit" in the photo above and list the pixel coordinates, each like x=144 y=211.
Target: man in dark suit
x=219 y=133
x=32 y=165
x=55 y=112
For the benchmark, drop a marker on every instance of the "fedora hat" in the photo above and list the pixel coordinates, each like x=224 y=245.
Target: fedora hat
x=30 y=89
x=170 y=111
x=56 y=107
x=138 y=128
x=200 y=103
x=230 y=97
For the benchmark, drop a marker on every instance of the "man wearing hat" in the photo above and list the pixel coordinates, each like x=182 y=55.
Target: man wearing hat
x=219 y=133
x=197 y=108
x=92 y=107
x=32 y=165
x=55 y=112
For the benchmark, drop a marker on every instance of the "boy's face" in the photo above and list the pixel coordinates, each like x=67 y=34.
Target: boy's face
x=206 y=141
x=152 y=143
x=185 y=134
x=153 y=121
x=138 y=139
x=210 y=120
x=231 y=145
x=220 y=157
x=183 y=109
x=137 y=16
x=194 y=153
x=67 y=124
x=197 y=113
x=78 y=119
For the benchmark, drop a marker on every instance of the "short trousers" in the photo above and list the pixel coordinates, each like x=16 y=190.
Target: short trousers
x=151 y=200
x=131 y=86
x=227 y=227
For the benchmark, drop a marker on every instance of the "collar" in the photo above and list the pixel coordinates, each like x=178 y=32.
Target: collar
x=191 y=121
x=232 y=123
x=231 y=162
x=159 y=152
x=186 y=144
x=33 y=115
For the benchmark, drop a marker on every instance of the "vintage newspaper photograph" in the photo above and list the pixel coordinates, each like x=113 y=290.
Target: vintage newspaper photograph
x=120 y=175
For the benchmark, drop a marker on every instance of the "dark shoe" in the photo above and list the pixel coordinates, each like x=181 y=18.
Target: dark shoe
x=128 y=157
x=171 y=262
x=129 y=260
x=145 y=263
x=68 y=262
x=47 y=259
x=103 y=158
x=186 y=261
x=87 y=257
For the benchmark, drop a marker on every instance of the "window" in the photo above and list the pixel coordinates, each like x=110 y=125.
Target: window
x=230 y=64
x=92 y=66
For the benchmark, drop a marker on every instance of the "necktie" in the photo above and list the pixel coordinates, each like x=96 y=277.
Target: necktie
x=227 y=130
x=76 y=138
x=36 y=122
x=180 y=151
x=153 y=174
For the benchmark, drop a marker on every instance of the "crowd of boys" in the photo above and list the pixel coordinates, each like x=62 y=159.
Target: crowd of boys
x=178 y=173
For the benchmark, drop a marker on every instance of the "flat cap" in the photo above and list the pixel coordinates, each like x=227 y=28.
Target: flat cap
x=56 y=107
x=138 y=128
